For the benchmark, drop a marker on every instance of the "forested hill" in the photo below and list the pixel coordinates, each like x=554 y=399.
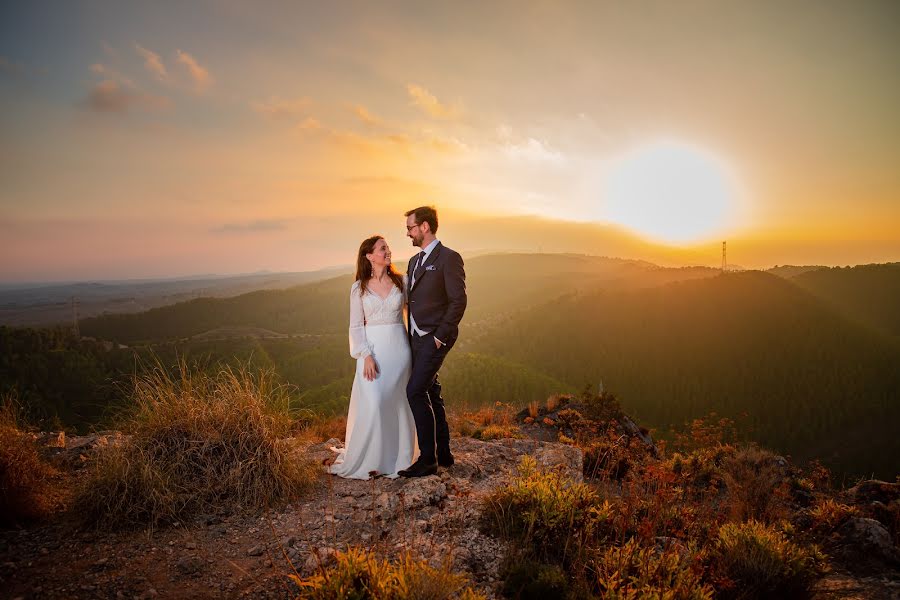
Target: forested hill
x=496 y=285
x=739 y=342
x=800 y=353
x=868 y=293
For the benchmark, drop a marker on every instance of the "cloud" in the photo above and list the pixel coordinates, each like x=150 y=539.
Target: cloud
x=365 y=116
x=535 y=151
x=279 y=108
x=252 y=226
x=201 y=77
x=382 y=144
x=153 y=63
x=309 y=124
x=426 y=101
x=112 y=97
x=111 y=74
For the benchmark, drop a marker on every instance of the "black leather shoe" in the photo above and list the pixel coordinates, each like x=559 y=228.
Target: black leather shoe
x=402 y=472
x=419 y=468
x=446 y=461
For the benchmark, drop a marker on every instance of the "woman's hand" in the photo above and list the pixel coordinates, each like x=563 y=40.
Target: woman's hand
x=370 y=369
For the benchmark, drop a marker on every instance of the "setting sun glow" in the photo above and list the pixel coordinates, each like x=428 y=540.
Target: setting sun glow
x=671 y=192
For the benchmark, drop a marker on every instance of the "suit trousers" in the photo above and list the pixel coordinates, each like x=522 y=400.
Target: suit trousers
x=424 y=395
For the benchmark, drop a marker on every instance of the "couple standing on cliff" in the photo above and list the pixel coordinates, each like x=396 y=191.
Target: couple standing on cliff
x=396 y=410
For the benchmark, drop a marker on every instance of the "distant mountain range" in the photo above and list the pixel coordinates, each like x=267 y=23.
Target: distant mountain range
x=37 y=305
x=807 y=355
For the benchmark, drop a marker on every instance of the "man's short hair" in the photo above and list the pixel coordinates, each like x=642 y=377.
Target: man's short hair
x=425 y=214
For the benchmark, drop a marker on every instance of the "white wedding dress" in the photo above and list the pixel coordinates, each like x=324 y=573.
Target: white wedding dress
x=381 y=432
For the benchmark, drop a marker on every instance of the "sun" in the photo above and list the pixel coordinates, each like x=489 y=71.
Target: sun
x=670 y=191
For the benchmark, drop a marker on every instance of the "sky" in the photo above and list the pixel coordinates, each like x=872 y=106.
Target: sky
x=176 y=138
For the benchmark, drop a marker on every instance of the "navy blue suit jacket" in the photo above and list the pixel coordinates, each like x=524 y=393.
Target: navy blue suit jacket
x=437 y=300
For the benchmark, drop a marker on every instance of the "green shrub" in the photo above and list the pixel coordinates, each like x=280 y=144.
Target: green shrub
x=498 y=432
x=607 y=459
x=632 y=571
x=552 y=517
x=830 y=514
x=602 y=407
x=531 y=580
x=763 y=563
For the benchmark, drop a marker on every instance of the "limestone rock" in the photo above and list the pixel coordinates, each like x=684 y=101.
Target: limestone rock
x=868 y=539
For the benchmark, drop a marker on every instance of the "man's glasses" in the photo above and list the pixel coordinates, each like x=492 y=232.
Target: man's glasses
x=411 y=227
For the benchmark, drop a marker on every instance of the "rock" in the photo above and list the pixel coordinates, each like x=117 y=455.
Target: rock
x=423 y=491
x=189 y=565
x=321 y=557
x=874 y=490
x=868 y=539
x=256 y=551
x=53 y=439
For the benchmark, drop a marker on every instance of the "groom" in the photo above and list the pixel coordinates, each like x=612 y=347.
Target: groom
x=437 y=301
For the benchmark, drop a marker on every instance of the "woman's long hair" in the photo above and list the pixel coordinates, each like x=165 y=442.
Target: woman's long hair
x=364 y=267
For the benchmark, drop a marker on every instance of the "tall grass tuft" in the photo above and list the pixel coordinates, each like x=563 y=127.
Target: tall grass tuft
x=358 y=573
x=757 y=487
x=26 y=489
x=198 y=442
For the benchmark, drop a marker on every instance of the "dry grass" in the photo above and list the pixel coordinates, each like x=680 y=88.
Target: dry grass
x=360 y=574
x=533 y=408
x=486 y=423
x=199 y=442
x=757 y=487
x=553 y=403
x=830 y=514
x=27 y=492
x=321 y=429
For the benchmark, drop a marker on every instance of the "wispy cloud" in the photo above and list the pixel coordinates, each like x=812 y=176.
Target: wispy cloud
x=382 y=144
x=112 y=97
x=429 y=103
x=309 y=124
x=252 y=226
x=280 y=108
x=200 y=75
x=365 y=116
x=153 y=62
x=534 y=150
x=111 y=74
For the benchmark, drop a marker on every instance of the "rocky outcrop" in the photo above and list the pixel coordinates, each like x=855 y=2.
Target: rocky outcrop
x=73 y=451
x=435 y=518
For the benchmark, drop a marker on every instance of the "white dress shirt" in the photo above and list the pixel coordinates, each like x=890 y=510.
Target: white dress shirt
x=426 y=251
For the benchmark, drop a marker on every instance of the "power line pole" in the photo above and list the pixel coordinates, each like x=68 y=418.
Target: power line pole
x=724 y=262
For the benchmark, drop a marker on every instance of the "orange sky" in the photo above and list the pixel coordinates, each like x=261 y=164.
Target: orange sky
x=224 y=137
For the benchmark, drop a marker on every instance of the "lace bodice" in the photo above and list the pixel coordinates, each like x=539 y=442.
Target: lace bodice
x=369 y=310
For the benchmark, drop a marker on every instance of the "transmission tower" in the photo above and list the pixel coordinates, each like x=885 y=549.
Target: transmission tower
x=724 y=262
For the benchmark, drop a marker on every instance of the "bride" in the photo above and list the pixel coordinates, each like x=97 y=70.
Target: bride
x=381 y=432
